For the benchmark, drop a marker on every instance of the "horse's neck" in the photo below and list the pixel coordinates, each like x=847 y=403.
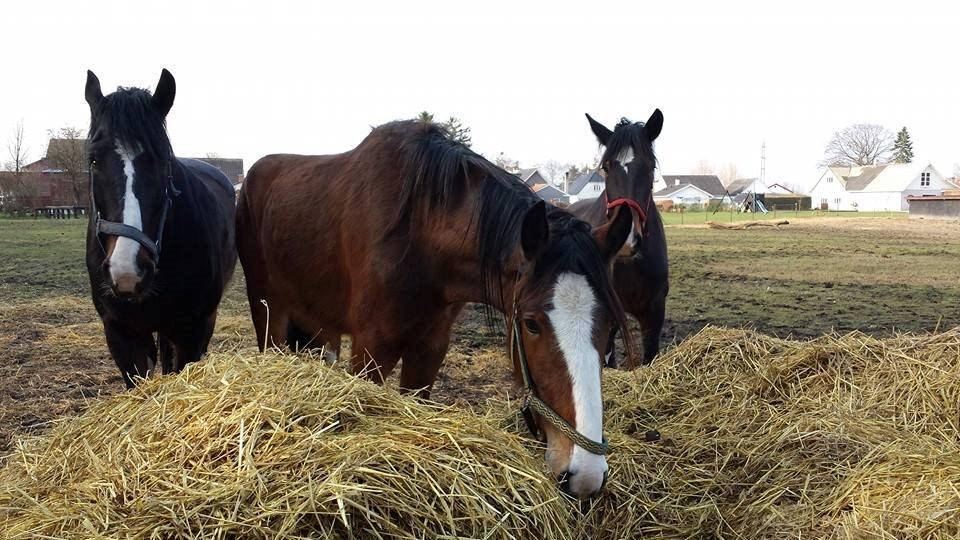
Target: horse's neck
x=456 y=249
x=593 y=211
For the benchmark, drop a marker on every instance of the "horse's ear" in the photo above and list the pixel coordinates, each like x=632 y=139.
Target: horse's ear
x=92 y=91
x=603 y=134
x=654 y=125
x=165 y=92
x=611 y=236
x=535 y=232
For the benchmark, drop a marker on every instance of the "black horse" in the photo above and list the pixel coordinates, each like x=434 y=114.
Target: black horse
x=160 y=239
x=641 y=271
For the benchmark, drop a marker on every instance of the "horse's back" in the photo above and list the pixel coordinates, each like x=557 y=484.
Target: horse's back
x=212 y=178
x=222 y=213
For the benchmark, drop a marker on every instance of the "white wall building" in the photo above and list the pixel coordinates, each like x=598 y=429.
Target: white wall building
x=875 y=188
x=588 y=185
x=688 y=195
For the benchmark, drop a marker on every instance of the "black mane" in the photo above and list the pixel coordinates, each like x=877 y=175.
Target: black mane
x=129 y=115
x=629 y=137
x=437 y=173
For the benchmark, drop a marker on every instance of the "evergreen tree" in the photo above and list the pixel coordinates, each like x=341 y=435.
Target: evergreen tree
x=458 y=131
x=903 y=147
x=425 y=117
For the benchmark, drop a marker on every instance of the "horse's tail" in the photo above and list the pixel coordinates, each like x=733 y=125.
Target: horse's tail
x=251 y=255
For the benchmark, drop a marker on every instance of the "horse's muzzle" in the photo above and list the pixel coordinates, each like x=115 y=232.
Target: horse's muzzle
x=130 y=284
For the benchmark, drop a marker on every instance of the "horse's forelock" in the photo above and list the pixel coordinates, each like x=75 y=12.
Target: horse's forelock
x=129 y=116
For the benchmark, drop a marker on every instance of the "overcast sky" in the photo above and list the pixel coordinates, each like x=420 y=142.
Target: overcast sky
x=310 y=78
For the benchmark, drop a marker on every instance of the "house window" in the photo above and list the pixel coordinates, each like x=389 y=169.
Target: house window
x=823 y=201
x=598 y=187
x=837 y=201
x=925 y=179
x=829 y=179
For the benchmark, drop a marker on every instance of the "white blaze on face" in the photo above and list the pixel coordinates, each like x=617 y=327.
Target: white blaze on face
x=123 y=260
x=632 y=237
x=572 y=318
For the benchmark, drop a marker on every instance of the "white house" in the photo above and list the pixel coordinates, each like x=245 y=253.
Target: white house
x=588 y=185
x=780 y=189
x=686 y=194
x=875 y=188
x=690 y=189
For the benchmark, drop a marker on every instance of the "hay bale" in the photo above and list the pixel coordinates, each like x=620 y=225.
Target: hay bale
x=843 y=436
x=731 y=433
x=266 y=446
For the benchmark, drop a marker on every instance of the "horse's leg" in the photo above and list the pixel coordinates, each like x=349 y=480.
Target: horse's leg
x=325 y=342
x=130 y=350
x=331 y=351
x=651 y=326
x=166 y=353
x=269 y=318
x=372 y=357
x=192 y=345
x=610 y=359
x=422 y=359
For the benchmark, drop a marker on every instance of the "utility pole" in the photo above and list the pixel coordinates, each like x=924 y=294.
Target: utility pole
x=763 y=173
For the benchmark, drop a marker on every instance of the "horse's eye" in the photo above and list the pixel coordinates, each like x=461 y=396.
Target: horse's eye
x=531 y=326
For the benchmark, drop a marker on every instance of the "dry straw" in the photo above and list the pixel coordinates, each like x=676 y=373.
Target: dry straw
x=840 y=437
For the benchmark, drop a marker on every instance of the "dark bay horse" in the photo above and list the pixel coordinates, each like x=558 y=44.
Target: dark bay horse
x=387 y=241
x=641 y=271
x=160 y=238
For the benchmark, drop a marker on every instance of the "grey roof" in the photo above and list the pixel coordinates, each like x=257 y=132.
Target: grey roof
x=531 y=177
x=232 y=167
x=525 y=174
x=667 y=191
x=739 y=185
x=581 y=181
x=707 y=182
x=867 y=175
x=548 y=192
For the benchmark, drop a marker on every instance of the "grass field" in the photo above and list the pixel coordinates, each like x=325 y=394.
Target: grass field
x=726 y=216
x=878 y=274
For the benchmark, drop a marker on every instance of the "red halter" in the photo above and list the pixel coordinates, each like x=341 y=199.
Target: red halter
x=635 y=206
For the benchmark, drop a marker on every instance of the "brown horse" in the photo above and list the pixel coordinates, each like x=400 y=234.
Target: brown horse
x=387 y=241
x=641 y=271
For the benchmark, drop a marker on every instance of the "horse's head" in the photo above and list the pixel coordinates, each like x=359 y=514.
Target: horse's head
x=130 y=179
x=564 y=309
x=628 y=163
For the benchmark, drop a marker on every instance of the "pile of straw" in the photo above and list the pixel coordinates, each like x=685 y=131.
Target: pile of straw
x=731 y=433
x=843 y=436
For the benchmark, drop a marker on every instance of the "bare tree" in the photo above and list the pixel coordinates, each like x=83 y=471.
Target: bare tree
x=506 y=163
x=14 y=190
x=729 y=173
x=554 y=171
x=212 y=155
x=17 y=151
x=67 y=152
x=858 y=145
x=703 y=167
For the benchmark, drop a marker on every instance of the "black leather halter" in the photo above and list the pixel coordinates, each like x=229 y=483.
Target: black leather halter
x=113 y=228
